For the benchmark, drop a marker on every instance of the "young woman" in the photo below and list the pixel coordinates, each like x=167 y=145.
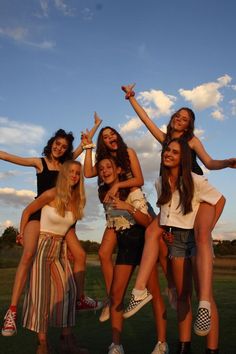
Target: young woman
x=110 y=142
x=51 y=293
x=127 y=214
x=180 y=193
x=182 y=125
x=58 y=149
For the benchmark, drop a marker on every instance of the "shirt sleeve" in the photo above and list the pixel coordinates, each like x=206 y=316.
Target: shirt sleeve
x=205 y=191
x=138 y=200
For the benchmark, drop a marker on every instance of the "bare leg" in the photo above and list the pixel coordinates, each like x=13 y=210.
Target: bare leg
x=105 y=254
x=79 y=256
x=150 y=253
x=31 y=235
x=182 y=275
x=158 y=305
x=122 y=274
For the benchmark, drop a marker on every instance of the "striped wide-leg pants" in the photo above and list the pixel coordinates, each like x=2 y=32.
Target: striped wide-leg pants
x=51 y=293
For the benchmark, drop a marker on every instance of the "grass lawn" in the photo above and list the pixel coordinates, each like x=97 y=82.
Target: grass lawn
x=139 y=331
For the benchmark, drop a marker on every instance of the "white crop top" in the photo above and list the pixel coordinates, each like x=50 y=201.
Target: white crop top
x=54 y=223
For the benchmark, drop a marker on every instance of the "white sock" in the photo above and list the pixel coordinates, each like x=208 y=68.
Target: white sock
x=205 y=304
x=139 y=294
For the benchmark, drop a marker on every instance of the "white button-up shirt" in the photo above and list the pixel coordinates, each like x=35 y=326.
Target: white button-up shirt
x=172 y=214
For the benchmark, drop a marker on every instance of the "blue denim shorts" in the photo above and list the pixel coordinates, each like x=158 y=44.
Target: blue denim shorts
x=183 y=244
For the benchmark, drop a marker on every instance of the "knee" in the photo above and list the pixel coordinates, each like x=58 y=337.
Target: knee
x=104 y=256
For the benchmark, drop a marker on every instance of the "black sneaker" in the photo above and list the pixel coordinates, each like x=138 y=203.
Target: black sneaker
x=202 y=323
x=135 y=305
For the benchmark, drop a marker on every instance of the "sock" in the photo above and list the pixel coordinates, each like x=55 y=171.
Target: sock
x=13 y=308
x=139 y=294
x=205 y=304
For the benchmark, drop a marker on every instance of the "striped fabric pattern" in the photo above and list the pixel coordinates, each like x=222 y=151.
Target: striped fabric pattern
x=51 y=293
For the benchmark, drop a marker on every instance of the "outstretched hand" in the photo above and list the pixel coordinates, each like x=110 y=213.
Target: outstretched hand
x=85 y=138
x=128 y=88
x=97 y=119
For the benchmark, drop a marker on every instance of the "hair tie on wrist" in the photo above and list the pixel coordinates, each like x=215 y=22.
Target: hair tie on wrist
x=88 y=146
x=129 y=94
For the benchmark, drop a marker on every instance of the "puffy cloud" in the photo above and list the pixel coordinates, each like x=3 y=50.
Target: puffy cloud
x=217 y=115
x=16 y=198
x=233 y=107
x=63 y=7
x=206 y=95
x=131 y=125
x=44 y=6
x=12 y=131
x=161 y=104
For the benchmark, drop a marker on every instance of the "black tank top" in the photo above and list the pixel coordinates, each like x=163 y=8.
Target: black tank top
x=46 y=179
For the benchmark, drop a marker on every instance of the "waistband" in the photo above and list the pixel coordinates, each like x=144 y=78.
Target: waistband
x=173 y=228
x=50 y=235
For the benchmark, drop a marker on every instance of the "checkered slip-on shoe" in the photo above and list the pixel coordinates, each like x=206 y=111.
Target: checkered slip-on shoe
x=202 y=323
x=135 y=305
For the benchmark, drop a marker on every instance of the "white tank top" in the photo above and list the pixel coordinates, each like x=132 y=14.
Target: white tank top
x=54 y=223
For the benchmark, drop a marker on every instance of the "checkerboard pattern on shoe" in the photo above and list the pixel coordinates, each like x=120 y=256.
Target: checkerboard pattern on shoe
x=135 y=305
x=202 y=324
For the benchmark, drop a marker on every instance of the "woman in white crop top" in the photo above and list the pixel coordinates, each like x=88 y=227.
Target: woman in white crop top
x=51 y=292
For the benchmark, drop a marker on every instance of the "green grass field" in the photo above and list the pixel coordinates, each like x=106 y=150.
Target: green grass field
x=139 y=331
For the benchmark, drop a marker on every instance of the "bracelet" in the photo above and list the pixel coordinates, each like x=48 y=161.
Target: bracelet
x=129 y=94
x=133 y=211
x=88 y=146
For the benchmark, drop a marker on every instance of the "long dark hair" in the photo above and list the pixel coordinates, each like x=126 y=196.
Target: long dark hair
x=122 y=156
x=184 y=182
x=60 y=133
x=104 y=188
x=188 y=134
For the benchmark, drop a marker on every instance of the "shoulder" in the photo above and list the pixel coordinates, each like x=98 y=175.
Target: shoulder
x=131 y=151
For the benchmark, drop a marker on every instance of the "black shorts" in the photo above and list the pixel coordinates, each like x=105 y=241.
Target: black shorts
x=130 y=245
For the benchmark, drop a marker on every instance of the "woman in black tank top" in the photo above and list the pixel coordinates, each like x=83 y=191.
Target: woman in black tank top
x=59 y=148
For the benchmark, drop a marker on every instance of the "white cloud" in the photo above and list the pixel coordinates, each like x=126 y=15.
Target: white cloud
x=12 y=132
x=233 y=108
x=206 y=95
x=8 y=174
x=45 y=7
x=42 y=45
x=63 y=7
x=87 y=14
x=160 y=103
x=132 y=124
x=199 y=133
x=16 y=198
x=17 y=33
x=217 y=115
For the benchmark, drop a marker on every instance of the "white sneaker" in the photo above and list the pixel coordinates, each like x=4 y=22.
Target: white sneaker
x=116 y=349
x=136 y=304
x=105 y=314
x=161 y=348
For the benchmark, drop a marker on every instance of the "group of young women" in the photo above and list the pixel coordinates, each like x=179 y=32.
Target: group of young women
x=189 y=208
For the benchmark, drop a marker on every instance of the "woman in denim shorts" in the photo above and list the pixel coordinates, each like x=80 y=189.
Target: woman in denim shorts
x=127 y=214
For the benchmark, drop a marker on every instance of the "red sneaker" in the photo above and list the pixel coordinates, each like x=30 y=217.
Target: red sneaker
x=85 y=303
x=9 y=325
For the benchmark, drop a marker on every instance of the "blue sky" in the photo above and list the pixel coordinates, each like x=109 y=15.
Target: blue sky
x=61 y=60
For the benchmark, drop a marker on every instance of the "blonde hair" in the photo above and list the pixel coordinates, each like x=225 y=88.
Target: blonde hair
x=65 y=194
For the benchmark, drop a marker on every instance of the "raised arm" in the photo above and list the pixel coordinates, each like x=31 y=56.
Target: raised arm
x=206 y=159
x=23 y=161
x=152 y=127
x=91 y=133
x=35 y=205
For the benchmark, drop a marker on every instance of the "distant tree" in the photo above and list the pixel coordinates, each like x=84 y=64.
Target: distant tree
x=8 y=237
x=225 y=248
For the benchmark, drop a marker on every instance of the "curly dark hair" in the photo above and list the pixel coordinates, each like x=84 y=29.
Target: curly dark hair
x=188 y=134
x=122 y=156
x=184 y=183
x=104 y=188
x=60 y=133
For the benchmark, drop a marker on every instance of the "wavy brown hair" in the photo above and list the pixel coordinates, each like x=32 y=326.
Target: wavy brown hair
x=184 y=183
x=122 y=156
x=65 y=194
x=104 y=188
x=188 y=134
x=60 y=133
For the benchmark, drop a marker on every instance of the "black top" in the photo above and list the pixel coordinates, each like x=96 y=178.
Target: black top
x=46 y=179
x=195 y=166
